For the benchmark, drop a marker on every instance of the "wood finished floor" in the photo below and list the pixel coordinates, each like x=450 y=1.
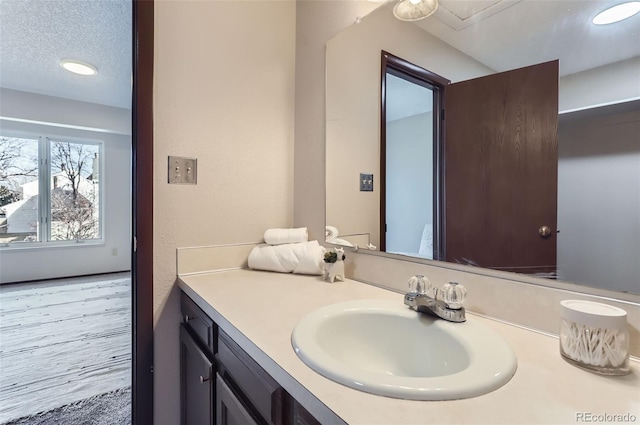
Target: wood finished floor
x=63 y=341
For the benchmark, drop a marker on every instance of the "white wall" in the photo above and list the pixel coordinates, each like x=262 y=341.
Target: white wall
x=48 y=109
x=223 y=93
x=409 y=182
x=612 y=83
x=64 y=118
x=599 y=201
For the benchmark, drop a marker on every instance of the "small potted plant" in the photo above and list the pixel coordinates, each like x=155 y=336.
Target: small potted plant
x=330 y=257
x=334 y=264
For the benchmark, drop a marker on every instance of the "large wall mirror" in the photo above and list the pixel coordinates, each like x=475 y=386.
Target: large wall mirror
x=595 y=239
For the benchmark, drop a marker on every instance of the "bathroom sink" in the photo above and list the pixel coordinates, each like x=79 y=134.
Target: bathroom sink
x=385 y=348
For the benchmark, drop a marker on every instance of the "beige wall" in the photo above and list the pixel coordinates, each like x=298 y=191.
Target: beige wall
x=316 y=23
x=224 y=93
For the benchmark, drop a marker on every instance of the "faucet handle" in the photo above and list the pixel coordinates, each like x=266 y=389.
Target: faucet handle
x=419 y=284
x=453 y=295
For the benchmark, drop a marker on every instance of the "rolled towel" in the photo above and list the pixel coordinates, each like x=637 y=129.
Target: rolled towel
x=342 y=242
x=331 y=233
x=301 y=258
x=285 y=236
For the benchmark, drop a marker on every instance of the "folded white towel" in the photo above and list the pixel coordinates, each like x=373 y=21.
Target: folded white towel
x=331 y=233
x=301 y=258
x=284 y=236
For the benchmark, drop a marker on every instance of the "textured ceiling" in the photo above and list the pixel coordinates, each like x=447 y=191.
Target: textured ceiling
x=36 y=34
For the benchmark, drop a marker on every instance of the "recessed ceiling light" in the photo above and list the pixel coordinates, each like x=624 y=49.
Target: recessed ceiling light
x=78 y=67
x=617 y=13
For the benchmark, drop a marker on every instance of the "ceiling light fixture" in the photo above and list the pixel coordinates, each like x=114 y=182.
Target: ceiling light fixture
x=617 y=13
x=78 y=67
x=414 y=10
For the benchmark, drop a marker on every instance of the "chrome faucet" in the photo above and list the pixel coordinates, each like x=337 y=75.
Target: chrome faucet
x=448 y=308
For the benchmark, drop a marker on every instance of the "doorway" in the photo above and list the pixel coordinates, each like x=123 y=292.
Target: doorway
x=141 y=188
x=410 y=161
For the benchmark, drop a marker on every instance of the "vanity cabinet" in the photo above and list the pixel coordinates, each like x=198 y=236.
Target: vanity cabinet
x=300 y=416
x=229 y=409
x=196 y=386
x=221 y=384
x=263 y=396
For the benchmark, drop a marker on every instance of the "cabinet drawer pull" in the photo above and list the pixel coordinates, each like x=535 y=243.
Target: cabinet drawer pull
x=203 y=379
x=187 y=318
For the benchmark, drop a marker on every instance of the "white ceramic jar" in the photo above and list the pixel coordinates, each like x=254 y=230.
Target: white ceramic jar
x=594 y=336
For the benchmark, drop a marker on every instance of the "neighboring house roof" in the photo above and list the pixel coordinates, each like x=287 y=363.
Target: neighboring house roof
x=22 y=216
x=60 y=179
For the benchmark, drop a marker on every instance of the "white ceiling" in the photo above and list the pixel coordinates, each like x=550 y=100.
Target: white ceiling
x=523 y=33
x=502 y=34
x=36 y=34
x=508 y=34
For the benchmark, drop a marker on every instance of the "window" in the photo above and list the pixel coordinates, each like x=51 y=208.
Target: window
x=68 y=171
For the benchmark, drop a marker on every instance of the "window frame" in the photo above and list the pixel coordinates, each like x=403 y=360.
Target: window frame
x=45 y=176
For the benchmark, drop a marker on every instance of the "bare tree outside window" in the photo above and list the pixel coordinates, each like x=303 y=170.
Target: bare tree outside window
x=75 y=209
x=68 y=210
x=18 y=161
x=19 y=202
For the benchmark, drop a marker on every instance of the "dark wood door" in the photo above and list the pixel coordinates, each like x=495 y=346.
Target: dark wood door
x=501 y=170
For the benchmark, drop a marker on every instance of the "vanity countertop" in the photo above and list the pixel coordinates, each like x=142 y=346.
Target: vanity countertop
x=260 y=309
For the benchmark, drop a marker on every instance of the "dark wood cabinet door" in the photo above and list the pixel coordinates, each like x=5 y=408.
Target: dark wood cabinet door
x=229 y=409
x=197 y=387
x=500 y=161
x=300 y=416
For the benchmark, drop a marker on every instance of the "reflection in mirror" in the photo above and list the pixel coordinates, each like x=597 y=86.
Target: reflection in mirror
x=407 y=206
x=598 y=186
x=410 y=159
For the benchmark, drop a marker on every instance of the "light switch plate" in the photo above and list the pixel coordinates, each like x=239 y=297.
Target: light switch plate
x=366 y=182
x=183 y=170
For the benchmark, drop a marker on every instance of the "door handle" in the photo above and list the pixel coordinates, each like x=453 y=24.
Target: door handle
x=203 y=379
x=544 y=231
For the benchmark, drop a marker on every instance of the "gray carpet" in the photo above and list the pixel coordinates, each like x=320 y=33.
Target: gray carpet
x=113 y=408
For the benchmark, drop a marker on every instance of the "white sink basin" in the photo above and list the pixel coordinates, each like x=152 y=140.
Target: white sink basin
x=386 y=348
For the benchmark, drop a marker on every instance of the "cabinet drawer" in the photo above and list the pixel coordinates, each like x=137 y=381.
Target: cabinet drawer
x=198 y=322
x=260 y=389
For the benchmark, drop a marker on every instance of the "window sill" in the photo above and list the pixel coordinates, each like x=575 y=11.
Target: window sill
x=38 y=246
